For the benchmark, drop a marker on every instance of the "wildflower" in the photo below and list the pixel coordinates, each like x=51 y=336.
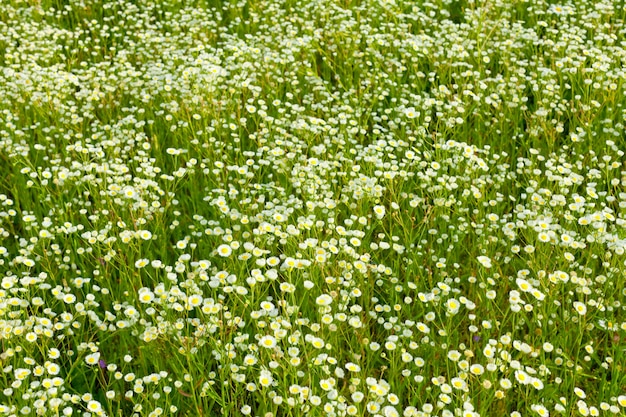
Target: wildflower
x=537 y=383
x=543 y=237
x=411 y=113
x=390 y=411
x=323 y=300
x=477 y=369
x=523 y=285
x=580 y=393
x=54 y=353
x=453 y=305
x=454 y=355
x=522 y=377
x=372 y=407
x=93 y=358
x=357 y=396
x=267 y=341
x=540 y=410
x=194 y=300
x=94 y=407
x=145 y=295
x=145 y=234
x=422 y=327
x=484 y=261
x=224 y=251
x=537 y=294
x=265 y=378
x=21 y=373
x=352 y=367
x=327 y=384
x=458 y=383
x=379 y=211
x=69 y=298
x=140 y=263
x=580 y=308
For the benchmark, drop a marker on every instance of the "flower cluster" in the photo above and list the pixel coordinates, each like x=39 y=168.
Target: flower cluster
x=337 y=208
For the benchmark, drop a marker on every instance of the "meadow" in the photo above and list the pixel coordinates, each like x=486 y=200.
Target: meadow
x=284 y=208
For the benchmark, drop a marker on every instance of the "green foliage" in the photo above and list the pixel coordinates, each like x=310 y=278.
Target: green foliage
x=289 y=208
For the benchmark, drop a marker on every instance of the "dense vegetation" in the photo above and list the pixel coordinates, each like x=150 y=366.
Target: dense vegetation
x=320 y=207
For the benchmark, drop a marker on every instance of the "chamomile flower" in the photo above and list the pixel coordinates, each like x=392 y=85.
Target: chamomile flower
x=267 y=341
x=580 y=308
x=458 y=383
x=92 y=358
x=224 y=250
x=453 y=305
x=540 y=410
x=140 y=263
x=194 y=300
x=379 y=211
x=484 y=261
x=477 y=369
x=411 y=113
x=522 y=377
x=265 y=378
x=145 y=295
x=145 y=234
x=94 y=406
x=324 y=300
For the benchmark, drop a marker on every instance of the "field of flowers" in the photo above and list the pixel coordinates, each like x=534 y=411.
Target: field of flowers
x=312 y=207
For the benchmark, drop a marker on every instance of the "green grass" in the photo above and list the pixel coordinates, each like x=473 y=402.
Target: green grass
x=324 y=208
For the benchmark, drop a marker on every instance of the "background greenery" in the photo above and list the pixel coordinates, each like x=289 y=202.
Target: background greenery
x=280 y=208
